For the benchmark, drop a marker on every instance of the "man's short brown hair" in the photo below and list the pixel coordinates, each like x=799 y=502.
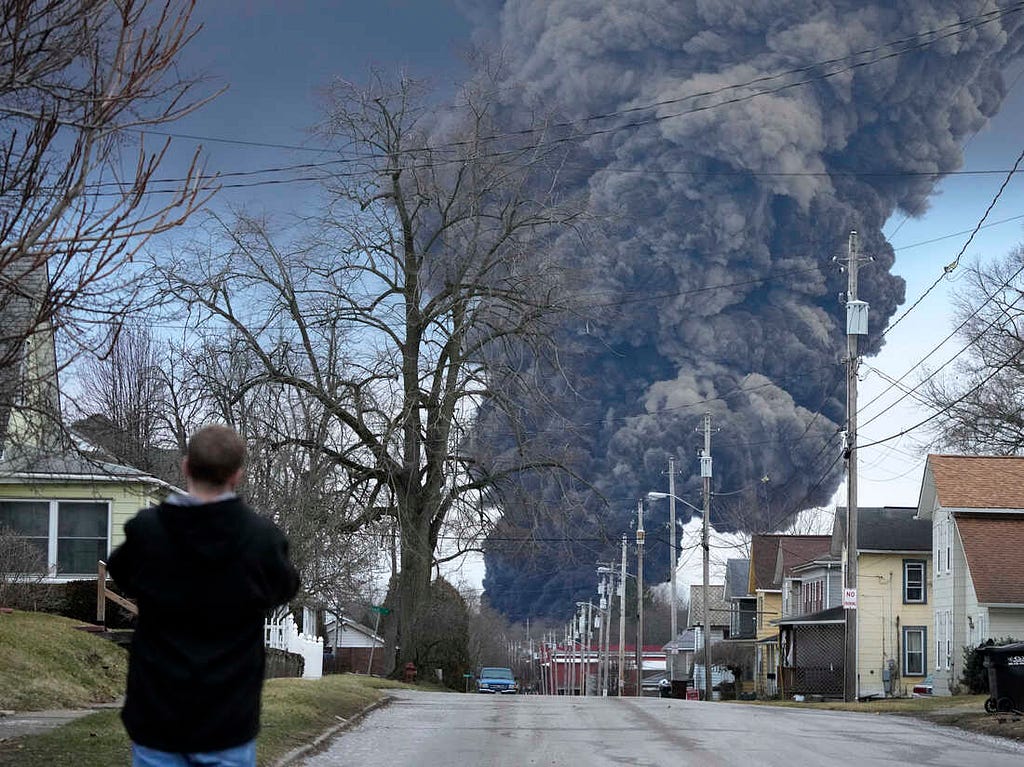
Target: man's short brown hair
x=214 y=453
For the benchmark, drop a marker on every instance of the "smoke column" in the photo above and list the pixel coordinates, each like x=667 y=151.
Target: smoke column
x=714 y=286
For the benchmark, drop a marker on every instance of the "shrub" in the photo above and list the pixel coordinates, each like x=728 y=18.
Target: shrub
x=975 y=675
x=22 y=570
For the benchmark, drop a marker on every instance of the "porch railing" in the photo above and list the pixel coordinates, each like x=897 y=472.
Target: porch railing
x=103 y=594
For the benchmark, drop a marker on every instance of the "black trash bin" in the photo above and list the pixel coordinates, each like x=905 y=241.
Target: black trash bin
x=1005 y=677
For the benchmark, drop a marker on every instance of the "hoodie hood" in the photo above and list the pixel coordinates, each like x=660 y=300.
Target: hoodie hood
x=206 y=532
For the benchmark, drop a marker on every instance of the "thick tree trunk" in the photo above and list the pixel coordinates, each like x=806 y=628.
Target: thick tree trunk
x=413 y=588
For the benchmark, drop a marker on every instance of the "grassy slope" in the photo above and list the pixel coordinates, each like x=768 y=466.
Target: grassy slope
x=295 y=711
x=46 y=663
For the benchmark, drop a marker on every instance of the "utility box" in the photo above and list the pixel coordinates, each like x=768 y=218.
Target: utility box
x=856 y=318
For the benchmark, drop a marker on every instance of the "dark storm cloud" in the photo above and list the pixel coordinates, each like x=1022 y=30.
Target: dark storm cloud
x=756 y=196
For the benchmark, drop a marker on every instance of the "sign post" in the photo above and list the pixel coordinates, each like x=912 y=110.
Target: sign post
x=380 y=610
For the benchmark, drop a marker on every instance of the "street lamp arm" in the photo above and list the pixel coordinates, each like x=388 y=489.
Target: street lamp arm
x=656 y=496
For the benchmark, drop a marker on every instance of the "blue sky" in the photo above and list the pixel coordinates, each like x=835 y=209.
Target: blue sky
x=274 y=56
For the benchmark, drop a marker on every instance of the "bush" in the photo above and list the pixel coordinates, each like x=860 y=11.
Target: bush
x=975 y=676
x=22 y=570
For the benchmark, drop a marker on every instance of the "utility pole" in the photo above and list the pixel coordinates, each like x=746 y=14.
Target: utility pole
x=705 y=473
x=856 y=325
x=672 y=559
x=590 y=637
x=639 y=596
x=622 y=620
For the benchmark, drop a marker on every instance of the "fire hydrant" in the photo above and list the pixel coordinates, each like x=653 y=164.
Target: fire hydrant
x=410 y=673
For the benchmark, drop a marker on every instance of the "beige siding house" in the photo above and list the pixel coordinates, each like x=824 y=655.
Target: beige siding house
x=894 y=611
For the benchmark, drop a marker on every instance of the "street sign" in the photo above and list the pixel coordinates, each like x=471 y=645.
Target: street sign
x=380 y=609
x=849 y=599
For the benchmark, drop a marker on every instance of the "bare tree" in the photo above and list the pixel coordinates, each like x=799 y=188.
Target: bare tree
x=80 y=81
x=980 y=401
x=394 y=310
x=124 y=400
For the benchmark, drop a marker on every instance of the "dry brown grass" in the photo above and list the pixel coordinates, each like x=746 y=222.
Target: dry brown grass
x=46 y=663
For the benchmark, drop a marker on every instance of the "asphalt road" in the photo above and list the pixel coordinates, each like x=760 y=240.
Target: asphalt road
x=442 y=730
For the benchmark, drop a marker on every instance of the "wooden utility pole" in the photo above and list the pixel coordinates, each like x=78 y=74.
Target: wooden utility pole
x=639 y=597
x=856 y=325
x=622 y=620
x=705 y=473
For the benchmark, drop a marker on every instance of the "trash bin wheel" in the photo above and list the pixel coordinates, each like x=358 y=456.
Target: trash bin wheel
x=1004 y=704
x=990 y=705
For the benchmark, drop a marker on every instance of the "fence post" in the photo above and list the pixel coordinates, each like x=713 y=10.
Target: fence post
x=101 y=593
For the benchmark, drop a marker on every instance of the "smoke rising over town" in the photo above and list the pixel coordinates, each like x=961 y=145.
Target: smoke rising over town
x=714 y=283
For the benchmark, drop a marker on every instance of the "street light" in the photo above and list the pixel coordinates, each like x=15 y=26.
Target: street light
x=706 y=578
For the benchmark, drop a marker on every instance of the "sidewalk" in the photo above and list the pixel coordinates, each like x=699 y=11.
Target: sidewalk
x=14 y=724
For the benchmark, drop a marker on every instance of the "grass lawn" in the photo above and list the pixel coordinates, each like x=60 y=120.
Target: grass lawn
x=295 y=711
x=46 y=663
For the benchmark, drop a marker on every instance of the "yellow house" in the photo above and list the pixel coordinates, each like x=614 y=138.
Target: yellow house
x=56 y=492
x=772 y=557
x=894 y=614
x=72 y=508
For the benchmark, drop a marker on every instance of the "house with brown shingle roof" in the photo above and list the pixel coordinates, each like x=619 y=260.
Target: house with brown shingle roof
x=976 y=507
x=772 y=558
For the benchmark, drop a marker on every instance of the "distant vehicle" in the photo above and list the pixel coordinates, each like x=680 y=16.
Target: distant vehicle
x=923 y=688
x=495 y=680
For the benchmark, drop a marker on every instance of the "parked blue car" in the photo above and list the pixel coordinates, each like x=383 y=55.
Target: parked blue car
x=495 y=680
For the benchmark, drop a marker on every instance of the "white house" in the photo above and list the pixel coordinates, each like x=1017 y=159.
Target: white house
x=353 y=646
x=976 y=506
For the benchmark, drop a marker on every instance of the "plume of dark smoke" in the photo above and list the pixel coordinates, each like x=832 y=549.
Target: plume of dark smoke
x=713 y=284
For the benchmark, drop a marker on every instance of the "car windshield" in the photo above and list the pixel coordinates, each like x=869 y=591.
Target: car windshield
x=496 y=673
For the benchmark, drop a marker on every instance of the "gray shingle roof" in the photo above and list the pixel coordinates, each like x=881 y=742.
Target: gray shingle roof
x=889 y=528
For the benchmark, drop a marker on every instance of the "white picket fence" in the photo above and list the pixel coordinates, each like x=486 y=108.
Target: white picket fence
x=283 y=634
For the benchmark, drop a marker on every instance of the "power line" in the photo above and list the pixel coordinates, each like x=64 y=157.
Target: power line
x=946 y=270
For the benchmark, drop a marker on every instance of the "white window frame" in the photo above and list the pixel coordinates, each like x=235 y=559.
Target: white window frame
x=949 y=639
x=53 y=531
x=949 y=543
x=907 y=564
x=923 y=631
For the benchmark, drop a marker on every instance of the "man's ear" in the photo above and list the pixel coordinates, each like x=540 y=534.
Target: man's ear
x=184 y=467
x=236 y=479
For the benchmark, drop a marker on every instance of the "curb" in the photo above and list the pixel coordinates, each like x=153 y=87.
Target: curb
x=297 y=753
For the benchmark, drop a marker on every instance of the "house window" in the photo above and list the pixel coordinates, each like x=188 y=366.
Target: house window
x=914 y=589
x=949 y=543
x=949 y=639
x=71 y=536
x=914 y=657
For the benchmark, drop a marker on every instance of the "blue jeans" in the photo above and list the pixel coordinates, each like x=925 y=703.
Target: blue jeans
x=239 y=756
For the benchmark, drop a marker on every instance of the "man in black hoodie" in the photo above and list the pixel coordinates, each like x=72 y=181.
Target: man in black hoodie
x=204 y=568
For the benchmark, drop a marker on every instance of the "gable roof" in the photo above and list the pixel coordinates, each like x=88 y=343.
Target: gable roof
x=888 y=528
x=992 y=545
x=773 y=556
x=977 y=481
x=764 y=551
x=796 y=550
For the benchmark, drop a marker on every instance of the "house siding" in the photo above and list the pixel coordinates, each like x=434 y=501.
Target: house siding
x=881 y=616
x=1006 y=622
x=125 y=499
x=769 y=608
x=953 y=601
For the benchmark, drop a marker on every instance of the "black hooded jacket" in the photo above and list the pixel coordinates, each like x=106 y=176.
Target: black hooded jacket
x=204 y=576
